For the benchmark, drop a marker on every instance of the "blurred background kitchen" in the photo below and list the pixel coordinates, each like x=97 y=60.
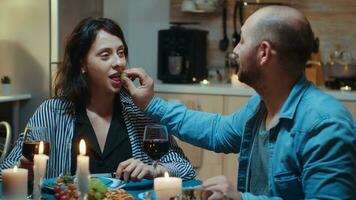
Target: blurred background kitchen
x=183 y=44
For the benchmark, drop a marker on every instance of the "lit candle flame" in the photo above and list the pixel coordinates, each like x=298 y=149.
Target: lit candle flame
x=166 y=175
x=82 y=149
x=15 y=168
x=41 y=148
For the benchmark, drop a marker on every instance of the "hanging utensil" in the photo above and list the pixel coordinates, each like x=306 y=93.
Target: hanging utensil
x=224 y=43
x=241 y=13
x=236 y=36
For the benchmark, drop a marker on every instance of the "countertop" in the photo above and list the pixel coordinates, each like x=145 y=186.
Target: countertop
x=14 y=97
x=229 y=90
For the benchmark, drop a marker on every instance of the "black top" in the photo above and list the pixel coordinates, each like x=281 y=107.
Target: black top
x=117 y=145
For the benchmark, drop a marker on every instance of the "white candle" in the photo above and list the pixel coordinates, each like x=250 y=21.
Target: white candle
x=166 y=187
x=83 y=169
x=14 y=183
x=39 y=170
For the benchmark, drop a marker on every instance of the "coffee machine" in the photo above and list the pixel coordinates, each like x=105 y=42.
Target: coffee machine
x=182 y=55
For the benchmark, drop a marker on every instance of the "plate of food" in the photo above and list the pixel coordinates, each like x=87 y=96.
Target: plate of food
x=66 y=180
x=96 y=192
x=100 y=188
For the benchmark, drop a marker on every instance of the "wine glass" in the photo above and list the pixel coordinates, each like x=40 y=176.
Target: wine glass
x=32 y=138
x=31 y=144
x=155 y=143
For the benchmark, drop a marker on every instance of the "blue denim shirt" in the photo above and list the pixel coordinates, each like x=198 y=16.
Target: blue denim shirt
x=312 y=146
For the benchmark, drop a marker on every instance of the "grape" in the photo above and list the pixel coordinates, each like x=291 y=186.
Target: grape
x=65 y=197
x=57 y=189
x=123 y=75
x=62 y=193
x=98 y=195
x=57 y=196
x=97 y=189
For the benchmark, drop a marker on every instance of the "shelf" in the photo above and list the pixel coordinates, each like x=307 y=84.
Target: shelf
x=14 y=97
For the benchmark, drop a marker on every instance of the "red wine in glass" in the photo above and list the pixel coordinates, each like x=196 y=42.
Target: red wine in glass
x=32 y=138
x=30 y=148
x=155 y=143
x=156 y=148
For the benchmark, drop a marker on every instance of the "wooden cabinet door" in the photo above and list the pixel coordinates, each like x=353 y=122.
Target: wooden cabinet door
x=70 y=13
x=207 y=163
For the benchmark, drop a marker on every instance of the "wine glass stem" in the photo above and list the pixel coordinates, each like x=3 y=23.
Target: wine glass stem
x=155 y=163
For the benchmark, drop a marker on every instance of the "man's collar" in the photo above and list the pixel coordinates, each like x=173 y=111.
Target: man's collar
x=290 y=105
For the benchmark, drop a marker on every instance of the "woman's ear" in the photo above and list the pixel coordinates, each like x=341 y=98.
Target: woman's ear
x=82 y=67
x=265 y=52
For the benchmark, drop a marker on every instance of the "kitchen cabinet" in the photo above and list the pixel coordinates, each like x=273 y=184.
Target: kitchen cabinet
x=206 y=162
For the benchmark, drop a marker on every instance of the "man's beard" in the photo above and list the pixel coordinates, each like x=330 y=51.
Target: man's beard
x=250 y=76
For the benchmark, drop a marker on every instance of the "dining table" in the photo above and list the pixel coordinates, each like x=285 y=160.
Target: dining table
x=135 y=192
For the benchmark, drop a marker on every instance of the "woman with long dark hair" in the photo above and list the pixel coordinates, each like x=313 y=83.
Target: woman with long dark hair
x=90 y=103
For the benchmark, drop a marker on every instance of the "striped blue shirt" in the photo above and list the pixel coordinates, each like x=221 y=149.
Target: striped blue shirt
x=56 y=116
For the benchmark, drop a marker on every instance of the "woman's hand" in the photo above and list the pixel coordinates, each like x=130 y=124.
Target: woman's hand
x=219 y=187
x=135 y=170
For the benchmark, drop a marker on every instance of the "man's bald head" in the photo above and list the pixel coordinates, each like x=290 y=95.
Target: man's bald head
x=288 y=31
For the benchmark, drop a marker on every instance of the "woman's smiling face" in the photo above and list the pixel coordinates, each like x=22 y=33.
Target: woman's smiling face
x=105 y=62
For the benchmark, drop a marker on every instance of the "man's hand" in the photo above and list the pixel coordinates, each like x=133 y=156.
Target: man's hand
x=219 y=187
x=143 y=94
x=135 y=170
